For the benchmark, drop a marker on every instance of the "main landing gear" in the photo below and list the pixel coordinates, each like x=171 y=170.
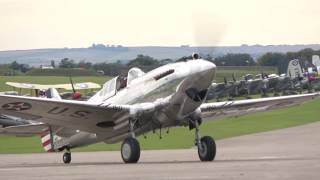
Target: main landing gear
x=206 y=145
x=67 y=157
x=130 y=149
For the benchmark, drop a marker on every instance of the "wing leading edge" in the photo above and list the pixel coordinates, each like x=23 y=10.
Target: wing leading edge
x=236 y=108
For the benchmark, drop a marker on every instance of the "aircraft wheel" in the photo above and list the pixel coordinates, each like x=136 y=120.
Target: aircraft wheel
x=66 y=157
x=130 y=150
x=207 y=152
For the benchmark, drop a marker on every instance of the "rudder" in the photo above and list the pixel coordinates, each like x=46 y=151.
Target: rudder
x=47 y=140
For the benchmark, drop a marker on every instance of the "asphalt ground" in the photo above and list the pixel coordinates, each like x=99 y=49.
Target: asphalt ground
x=292 y=153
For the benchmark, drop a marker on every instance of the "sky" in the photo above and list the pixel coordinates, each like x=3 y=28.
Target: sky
x=32 y=24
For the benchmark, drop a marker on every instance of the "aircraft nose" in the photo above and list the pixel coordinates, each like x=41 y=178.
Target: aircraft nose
x=198 y=66
x=208 y=66
x=203 y=67
x=195 y=85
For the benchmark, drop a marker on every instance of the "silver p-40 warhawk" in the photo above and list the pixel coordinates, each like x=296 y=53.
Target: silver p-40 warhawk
x=171 y=95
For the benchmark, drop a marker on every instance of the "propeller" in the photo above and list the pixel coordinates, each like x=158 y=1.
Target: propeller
x=263 y=76
x=234 y=78
x=76 y=94
x=208 y=30
x=71 y=82
x=225 y=80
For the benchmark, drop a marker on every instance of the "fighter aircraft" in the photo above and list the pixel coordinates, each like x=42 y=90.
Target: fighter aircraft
x=220 y=90
x=230 y=89
x=313 y=82
x=171 y=95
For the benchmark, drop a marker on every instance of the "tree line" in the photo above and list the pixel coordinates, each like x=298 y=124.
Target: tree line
x=146 y=63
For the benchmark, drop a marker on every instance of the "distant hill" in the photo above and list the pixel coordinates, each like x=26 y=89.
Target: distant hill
x=102 y=53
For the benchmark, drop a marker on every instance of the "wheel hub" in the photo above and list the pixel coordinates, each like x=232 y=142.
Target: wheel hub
x=126 y=151
x=203 y=150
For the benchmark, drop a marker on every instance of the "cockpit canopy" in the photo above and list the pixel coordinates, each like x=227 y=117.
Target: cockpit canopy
x=133 y=74
x=111 y=87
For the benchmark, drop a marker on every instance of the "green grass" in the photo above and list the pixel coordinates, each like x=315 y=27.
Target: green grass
x=183 y=138
x=241 y=71
x=62 y=72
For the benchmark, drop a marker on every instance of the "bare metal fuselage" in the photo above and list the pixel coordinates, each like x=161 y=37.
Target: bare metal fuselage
x=167 y=82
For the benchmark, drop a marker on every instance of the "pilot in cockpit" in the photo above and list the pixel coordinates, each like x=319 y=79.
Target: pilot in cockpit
x=122 y=82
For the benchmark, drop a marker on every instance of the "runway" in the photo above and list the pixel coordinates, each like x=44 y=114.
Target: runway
x=292 y=153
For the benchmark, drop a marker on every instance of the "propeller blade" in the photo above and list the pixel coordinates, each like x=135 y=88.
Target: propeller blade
x=73 y=89
x=233 y=77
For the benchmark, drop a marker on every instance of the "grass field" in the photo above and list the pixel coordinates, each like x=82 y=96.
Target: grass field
x=183 y=138
x=62 y=72
x=225 y=71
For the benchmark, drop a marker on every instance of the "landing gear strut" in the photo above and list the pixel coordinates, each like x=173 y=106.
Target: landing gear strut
x=67 y=157
x=206 y=145
x=130 y=149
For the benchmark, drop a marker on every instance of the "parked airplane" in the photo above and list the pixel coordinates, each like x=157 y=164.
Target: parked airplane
x=316 y=63
x=39 y=89
x=171 y=95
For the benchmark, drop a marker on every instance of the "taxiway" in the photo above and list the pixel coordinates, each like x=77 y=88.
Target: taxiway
x=292 y=153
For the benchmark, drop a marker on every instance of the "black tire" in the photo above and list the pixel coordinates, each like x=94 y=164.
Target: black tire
x=208 y=152
x=130 y=150
x=66 y=158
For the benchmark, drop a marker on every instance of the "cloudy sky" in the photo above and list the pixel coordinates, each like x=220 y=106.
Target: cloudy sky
x=28 y=24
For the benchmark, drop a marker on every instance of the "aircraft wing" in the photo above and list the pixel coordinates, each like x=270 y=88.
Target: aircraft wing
x=78 y=86
x=26 y=85
x=70 y=114
x=236 y=108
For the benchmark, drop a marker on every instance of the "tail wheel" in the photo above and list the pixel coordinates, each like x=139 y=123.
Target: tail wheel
x=66 y=157
x=130 y=150
x=207 y=152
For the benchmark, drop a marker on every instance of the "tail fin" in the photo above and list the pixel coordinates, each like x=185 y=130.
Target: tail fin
x=316 y=62
x=47 y=140
x=294 y=69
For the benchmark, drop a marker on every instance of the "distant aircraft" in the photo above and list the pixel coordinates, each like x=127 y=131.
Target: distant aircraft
x=220 y=90
x=285 y=83
x=316 y=62
x=40 y=89
x=171 y=95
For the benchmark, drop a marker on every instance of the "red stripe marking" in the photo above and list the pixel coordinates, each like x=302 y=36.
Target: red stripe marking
x=44 y=133
x=46 y=143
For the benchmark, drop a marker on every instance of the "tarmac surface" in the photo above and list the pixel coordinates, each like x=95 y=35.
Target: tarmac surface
x=292 y=153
